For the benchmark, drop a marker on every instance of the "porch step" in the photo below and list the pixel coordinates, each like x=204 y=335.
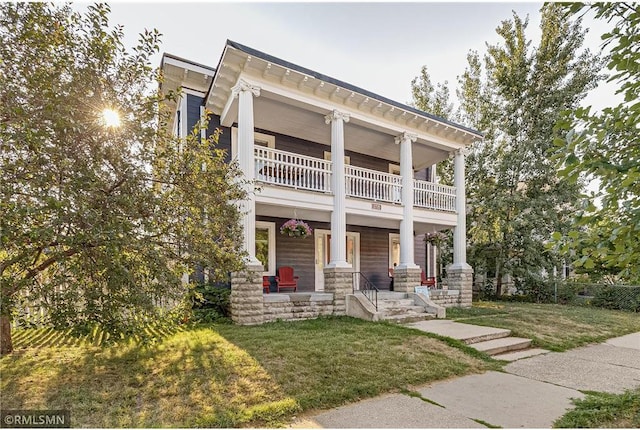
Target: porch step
x=388 y=303
x=395 y=310
x=391 y=295
x=517 y=355
x=502 y=345
x=407 y=317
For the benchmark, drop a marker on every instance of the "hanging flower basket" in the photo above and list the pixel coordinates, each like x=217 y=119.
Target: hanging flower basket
x=296 y=228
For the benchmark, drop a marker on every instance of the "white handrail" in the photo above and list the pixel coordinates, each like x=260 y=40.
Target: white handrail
x=431 y=195
x=373 y=185
x=292 y=170
x=288 y=169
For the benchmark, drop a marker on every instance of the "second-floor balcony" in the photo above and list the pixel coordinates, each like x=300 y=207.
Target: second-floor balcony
x=287 y=169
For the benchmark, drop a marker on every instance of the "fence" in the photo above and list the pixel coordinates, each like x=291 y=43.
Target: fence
x=608 y=296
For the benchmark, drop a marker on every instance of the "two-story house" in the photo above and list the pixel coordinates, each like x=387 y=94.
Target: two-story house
x=355 y=166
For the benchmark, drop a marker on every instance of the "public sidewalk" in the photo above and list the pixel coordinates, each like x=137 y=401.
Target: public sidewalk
x=533 y=392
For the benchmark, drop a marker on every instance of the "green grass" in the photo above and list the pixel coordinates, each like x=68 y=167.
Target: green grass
x=554 y=327
x=223 y=375
x=602 y=410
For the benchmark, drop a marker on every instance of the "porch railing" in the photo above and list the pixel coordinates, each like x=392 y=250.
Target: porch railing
x=366 y=287
x=431 y=195
x=292 y=170
x=288 y=169
x=373 y=185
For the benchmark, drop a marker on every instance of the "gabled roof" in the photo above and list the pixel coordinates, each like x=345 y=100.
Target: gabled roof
x=338 y=83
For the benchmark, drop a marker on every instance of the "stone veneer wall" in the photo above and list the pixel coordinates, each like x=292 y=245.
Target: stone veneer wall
x=246 y=296
x=297 y=306
x=461 y=278
x=338 y=281
x=445 y=298
x=405 y=280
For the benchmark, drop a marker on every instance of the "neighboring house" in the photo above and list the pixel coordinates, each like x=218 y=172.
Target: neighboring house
x=356 y=166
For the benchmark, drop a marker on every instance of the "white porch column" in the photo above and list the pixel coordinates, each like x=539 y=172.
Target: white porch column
x=460 y=231
x=246 y=161
x=338 y=215
x=407 y=259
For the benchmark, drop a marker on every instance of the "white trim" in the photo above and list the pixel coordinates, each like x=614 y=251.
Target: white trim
x=260 y=138
x=271 y=228
x=193 y=92
x=187 y=65
x=321 y=261
x=184 y=127
x=393 y=237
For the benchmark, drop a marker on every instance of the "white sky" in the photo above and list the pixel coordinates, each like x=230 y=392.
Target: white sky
x=376 y=46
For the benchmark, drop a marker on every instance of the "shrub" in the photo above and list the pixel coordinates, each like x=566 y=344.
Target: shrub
x=618 y=297
x=210 y=302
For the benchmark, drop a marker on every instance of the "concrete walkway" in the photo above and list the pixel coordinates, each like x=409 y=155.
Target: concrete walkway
x=533 y=392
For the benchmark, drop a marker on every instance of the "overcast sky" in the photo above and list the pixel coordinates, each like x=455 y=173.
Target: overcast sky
x=377 y=46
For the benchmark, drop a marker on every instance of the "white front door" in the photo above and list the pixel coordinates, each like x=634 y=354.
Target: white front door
x=323 y=253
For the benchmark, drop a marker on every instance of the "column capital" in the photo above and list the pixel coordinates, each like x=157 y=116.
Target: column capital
x=411 y=137
x=336 y=115
x=460 y=152
x=242 y=86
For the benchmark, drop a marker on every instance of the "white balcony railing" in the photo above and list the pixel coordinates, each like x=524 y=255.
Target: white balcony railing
x=292 y=170
x=431 y=195
x=308 y=173
x=373 y=185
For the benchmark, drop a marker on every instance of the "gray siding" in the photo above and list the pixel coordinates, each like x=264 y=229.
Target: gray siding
x=300 y=253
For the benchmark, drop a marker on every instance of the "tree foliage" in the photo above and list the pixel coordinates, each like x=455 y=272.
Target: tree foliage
x=98 y=223
x=514 y=94
x=604 y=146
x=517 y=198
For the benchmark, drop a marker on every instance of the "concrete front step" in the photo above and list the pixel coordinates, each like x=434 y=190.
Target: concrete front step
x=386 y=303
x=466 y=333
x=402 y=310
x=408 y=317
x=517 y=355
x=502 y=345
x=391 y=295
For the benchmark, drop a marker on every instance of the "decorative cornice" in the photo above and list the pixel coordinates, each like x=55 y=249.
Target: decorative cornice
x=336 y=115
x=411 y=137
x=242 y=86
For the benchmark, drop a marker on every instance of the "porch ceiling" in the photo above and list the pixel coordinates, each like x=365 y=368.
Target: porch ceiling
x=284 y=118
x=304 y=93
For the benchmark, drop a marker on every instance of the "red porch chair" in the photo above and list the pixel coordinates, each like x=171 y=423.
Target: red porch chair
x=429 y=282
x=266 y=284
x=285 y=278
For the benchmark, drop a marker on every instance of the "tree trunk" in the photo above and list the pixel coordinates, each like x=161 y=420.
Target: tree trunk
x=6 y=344
x=499 y=285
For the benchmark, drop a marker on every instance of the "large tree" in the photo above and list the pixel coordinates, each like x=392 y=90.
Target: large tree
x=605 y=146
x=514 y=94
x=99 y=221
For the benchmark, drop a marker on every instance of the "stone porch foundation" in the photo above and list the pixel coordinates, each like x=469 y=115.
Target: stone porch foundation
x=461 y=278
x=247 y=303
x=339 y=282
x=406 y=279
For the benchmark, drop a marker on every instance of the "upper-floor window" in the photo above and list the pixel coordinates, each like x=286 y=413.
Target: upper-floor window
x=260 y=139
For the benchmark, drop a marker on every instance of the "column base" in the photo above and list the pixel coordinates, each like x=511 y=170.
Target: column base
x=247 y=303
x=339 y=282
x=405 y=279
x=460 y=277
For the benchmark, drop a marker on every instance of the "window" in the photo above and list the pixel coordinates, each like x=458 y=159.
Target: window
x=327 y=156
x=266 y=246
x=260 y=139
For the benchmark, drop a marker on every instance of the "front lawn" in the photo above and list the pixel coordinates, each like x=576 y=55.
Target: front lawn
x=554 y=327
x=224 y=375
x=604 y=410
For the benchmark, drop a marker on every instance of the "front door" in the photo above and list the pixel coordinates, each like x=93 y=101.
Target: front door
x=323 y=253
